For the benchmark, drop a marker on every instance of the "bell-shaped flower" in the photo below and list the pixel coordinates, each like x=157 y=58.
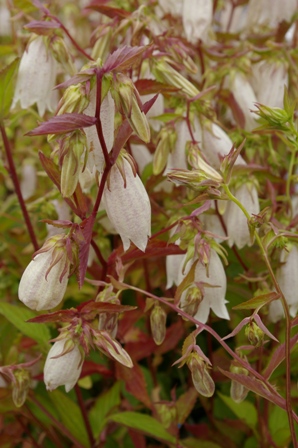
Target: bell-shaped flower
x=270 y=93
x=213 y=291
x=245 y=98
x=128 y=206
x=36 y=78
x=29 y=180
x=286 y=276
x=173 y=7
x=107 y=115
x=45 y=279
x=5 y=24
x=235 y=220
x=196 y=19
x=216 y=145
x=261 y=14
x=63 y=367
x=174 y=265
x=142 y=155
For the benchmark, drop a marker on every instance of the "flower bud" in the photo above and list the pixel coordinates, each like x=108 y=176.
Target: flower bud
x=201 y=378
x=168 y=75
x=254 y=334
x=20 y=386
x=63 y=369
x=238 y=392
x=167 y=139
x=167 y=414
x=74 y=100
x=158 y=319
x=191 y=302
x=72 y=165
x=45 y=279
x=198 y=163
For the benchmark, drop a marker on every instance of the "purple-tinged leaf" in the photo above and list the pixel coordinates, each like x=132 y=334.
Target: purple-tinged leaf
x=258 y=301
x=201 y=209
x=258 y=387
x=123 y=134
x=61 y=124
x=263 y=327
x=76 y=79
x=42 y=27
x=124 y=58
x=149 y=86
x=59 y=223
x=278 y=357
x=56 y=316
x=237 y=329
x=147 y=106
x=104 y=307
x=108 y=11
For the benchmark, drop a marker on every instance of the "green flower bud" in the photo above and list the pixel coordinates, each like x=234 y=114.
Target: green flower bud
x=201 y=378
x=20 y=387
x=254 y=334
x=158 y=319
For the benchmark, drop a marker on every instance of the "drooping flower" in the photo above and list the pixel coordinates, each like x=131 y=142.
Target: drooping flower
x=36 y=78
x=213 y=291
x=45 y=279
x=196 y=19
x=245 y=98
x=29 y=180
x=261 y=14
x=235 y=220
x=107 y=114
x=268 y=80
x=62 y=370
x=286 y=276
x=128 y=206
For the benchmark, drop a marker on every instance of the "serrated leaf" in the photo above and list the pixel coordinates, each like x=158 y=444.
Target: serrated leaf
x=258 y=301
x=18 y=315
x=104 y=404
x=123 y=58
x=145 y=424
x=61 y=124
x=245 y=411
x=70 y=415
x=6 y=87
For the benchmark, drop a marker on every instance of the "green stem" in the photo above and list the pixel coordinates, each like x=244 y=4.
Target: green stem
x=286 y=311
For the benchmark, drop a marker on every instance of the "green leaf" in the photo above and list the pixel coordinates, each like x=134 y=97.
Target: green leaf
x=279 y=426
x=258 y=301
x=245 y=411
x=145 y=424
x=6 y=87
x=18 y=315
x=70 y=415
x=102 y=407
x=190 y=442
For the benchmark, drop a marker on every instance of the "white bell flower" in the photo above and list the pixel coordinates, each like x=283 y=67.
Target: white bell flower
x=245 y=98
x=36 y=78
x=107 y=115
x=64 y=370
x=235 y=220
x=269 y=13
x=286 y=276
x=43 y=286
x=213 y=296
x=196 y=19
x=128 y=206
x=268 y=81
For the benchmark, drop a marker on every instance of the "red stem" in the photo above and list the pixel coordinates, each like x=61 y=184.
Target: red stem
x=15 y=180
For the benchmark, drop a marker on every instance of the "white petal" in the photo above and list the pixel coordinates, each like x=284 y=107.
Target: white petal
x=196 y=18
x=235 y=219
x=36 y=77
x=107 y=114
x=269 y=93
x=128 y=208
x=28 y=182
x=174 y=265
x=142 y=156
x=246 y=99
x=62 y=371
x=35 y=291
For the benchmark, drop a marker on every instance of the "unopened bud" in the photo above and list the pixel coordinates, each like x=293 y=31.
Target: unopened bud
x=254 y=334
x=201 y=378
x=166 y=413
x=167 y=140
x=62 y=54
x=20 y=387
x=274 y=116
x=198 y=163
x=192 y=300
x=158 y=319
x=238 y=392
x=72 y=165
x=167 y=74
x=126 y=95
x=74 y=100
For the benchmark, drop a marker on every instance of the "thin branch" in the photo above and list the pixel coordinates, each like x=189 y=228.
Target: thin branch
x=15 y=180
x=84 y=415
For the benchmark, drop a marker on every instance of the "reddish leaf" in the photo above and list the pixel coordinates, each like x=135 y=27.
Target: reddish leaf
x=62 y=124
x=237 y=111
x=42 y=27
x=79 y=77
x=108 y=10
x=90 y=367
x=258 y=387
x=124 y=58
x=56 y=316
x=87 y=228
x=134 y=382
x=185 y=404
x=278 y=357
x=173 y=335
x=142 y=349
x=138 y=439
x=149 y=86
x=105 y=307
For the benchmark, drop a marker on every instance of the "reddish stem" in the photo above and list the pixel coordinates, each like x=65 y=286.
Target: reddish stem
x=84 y=415
x=15 y=180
